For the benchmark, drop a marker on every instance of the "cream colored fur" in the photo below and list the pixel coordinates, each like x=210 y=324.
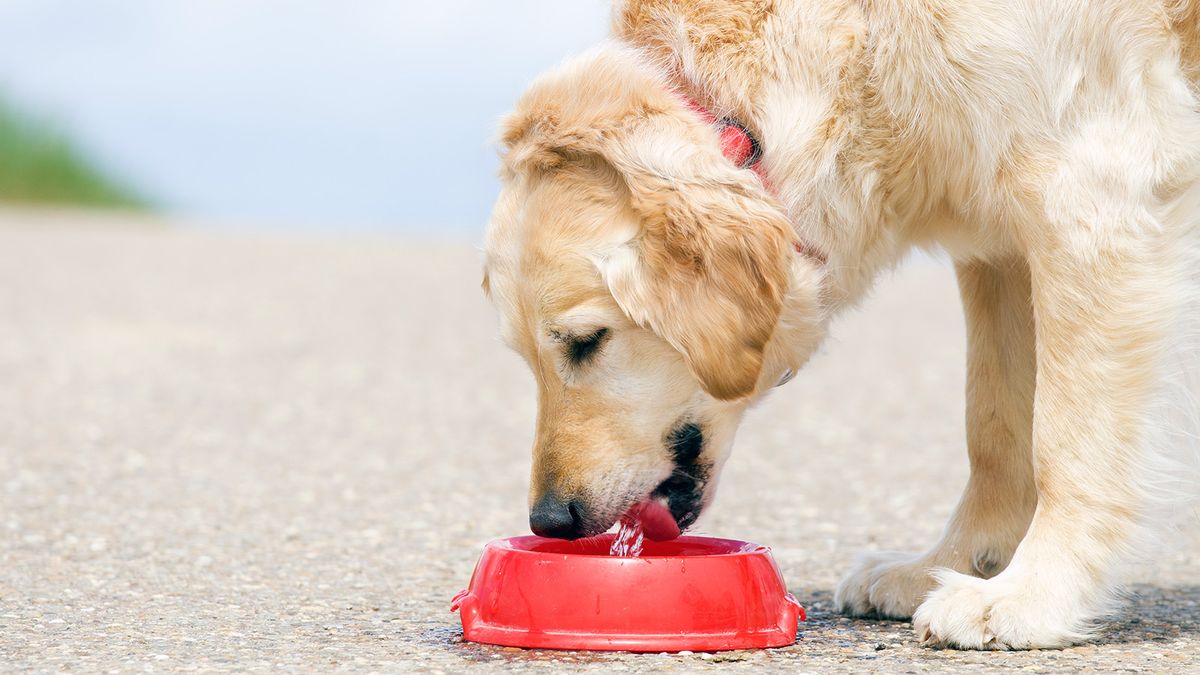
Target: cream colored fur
x=1051 y=147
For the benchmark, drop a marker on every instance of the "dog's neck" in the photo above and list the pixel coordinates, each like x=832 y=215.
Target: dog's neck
x=801 y=85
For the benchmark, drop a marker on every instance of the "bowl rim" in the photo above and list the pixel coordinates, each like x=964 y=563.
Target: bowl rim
x=746 y=549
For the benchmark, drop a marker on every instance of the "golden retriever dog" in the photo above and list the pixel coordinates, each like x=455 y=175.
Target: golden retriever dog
x=657 y=287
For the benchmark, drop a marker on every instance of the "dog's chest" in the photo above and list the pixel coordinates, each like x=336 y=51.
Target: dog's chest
x=965 y=233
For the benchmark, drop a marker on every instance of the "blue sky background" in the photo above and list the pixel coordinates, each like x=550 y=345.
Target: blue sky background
x=362 y=114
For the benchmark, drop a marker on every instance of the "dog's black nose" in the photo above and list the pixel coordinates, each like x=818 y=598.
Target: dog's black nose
x=556 y=518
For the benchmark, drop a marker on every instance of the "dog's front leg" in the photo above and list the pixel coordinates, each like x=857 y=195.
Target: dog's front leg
x=1101 y=278
x=999 y=498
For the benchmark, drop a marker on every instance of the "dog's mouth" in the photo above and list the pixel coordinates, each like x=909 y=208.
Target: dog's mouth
x=682 y=495
x=683 y=491
x=676 y=503
x=670 y=509
x=654 y=518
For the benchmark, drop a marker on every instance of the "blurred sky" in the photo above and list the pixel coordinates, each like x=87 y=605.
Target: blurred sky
x=309 y=114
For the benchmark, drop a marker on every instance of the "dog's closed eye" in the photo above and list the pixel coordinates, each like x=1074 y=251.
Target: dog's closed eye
x=581 y=348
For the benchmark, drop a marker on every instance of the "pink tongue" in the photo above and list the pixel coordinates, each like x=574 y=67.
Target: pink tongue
x=657 y=521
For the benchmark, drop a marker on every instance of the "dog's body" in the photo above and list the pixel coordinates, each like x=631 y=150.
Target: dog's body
x=1052 y=147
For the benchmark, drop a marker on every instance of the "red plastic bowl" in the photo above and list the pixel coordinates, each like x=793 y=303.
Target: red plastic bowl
x=692 y=593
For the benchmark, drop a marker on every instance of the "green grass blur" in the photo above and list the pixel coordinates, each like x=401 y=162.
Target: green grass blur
x=39 y=164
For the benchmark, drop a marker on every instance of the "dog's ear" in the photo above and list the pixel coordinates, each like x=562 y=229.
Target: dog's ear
x=709 y=267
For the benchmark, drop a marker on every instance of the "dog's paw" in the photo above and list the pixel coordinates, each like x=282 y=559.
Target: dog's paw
x=885 y=584
x=970 y=613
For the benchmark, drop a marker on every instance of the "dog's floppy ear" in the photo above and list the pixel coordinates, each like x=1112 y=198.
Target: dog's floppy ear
x=709 y=267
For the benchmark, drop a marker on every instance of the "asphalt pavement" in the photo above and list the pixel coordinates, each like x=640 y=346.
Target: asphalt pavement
x=229 y=452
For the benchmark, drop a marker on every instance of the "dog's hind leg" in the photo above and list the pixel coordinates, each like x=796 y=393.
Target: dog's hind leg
x=1000 y=497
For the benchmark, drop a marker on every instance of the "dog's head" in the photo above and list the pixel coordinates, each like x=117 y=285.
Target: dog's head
x=650 y=284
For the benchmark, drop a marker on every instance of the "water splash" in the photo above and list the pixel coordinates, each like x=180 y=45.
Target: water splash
x=630 y=537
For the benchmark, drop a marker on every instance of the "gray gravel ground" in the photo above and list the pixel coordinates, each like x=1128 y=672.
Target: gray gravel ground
x=226 y=452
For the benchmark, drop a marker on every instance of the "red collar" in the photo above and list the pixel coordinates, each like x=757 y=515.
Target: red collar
x=744 y=150
x=737 y=143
